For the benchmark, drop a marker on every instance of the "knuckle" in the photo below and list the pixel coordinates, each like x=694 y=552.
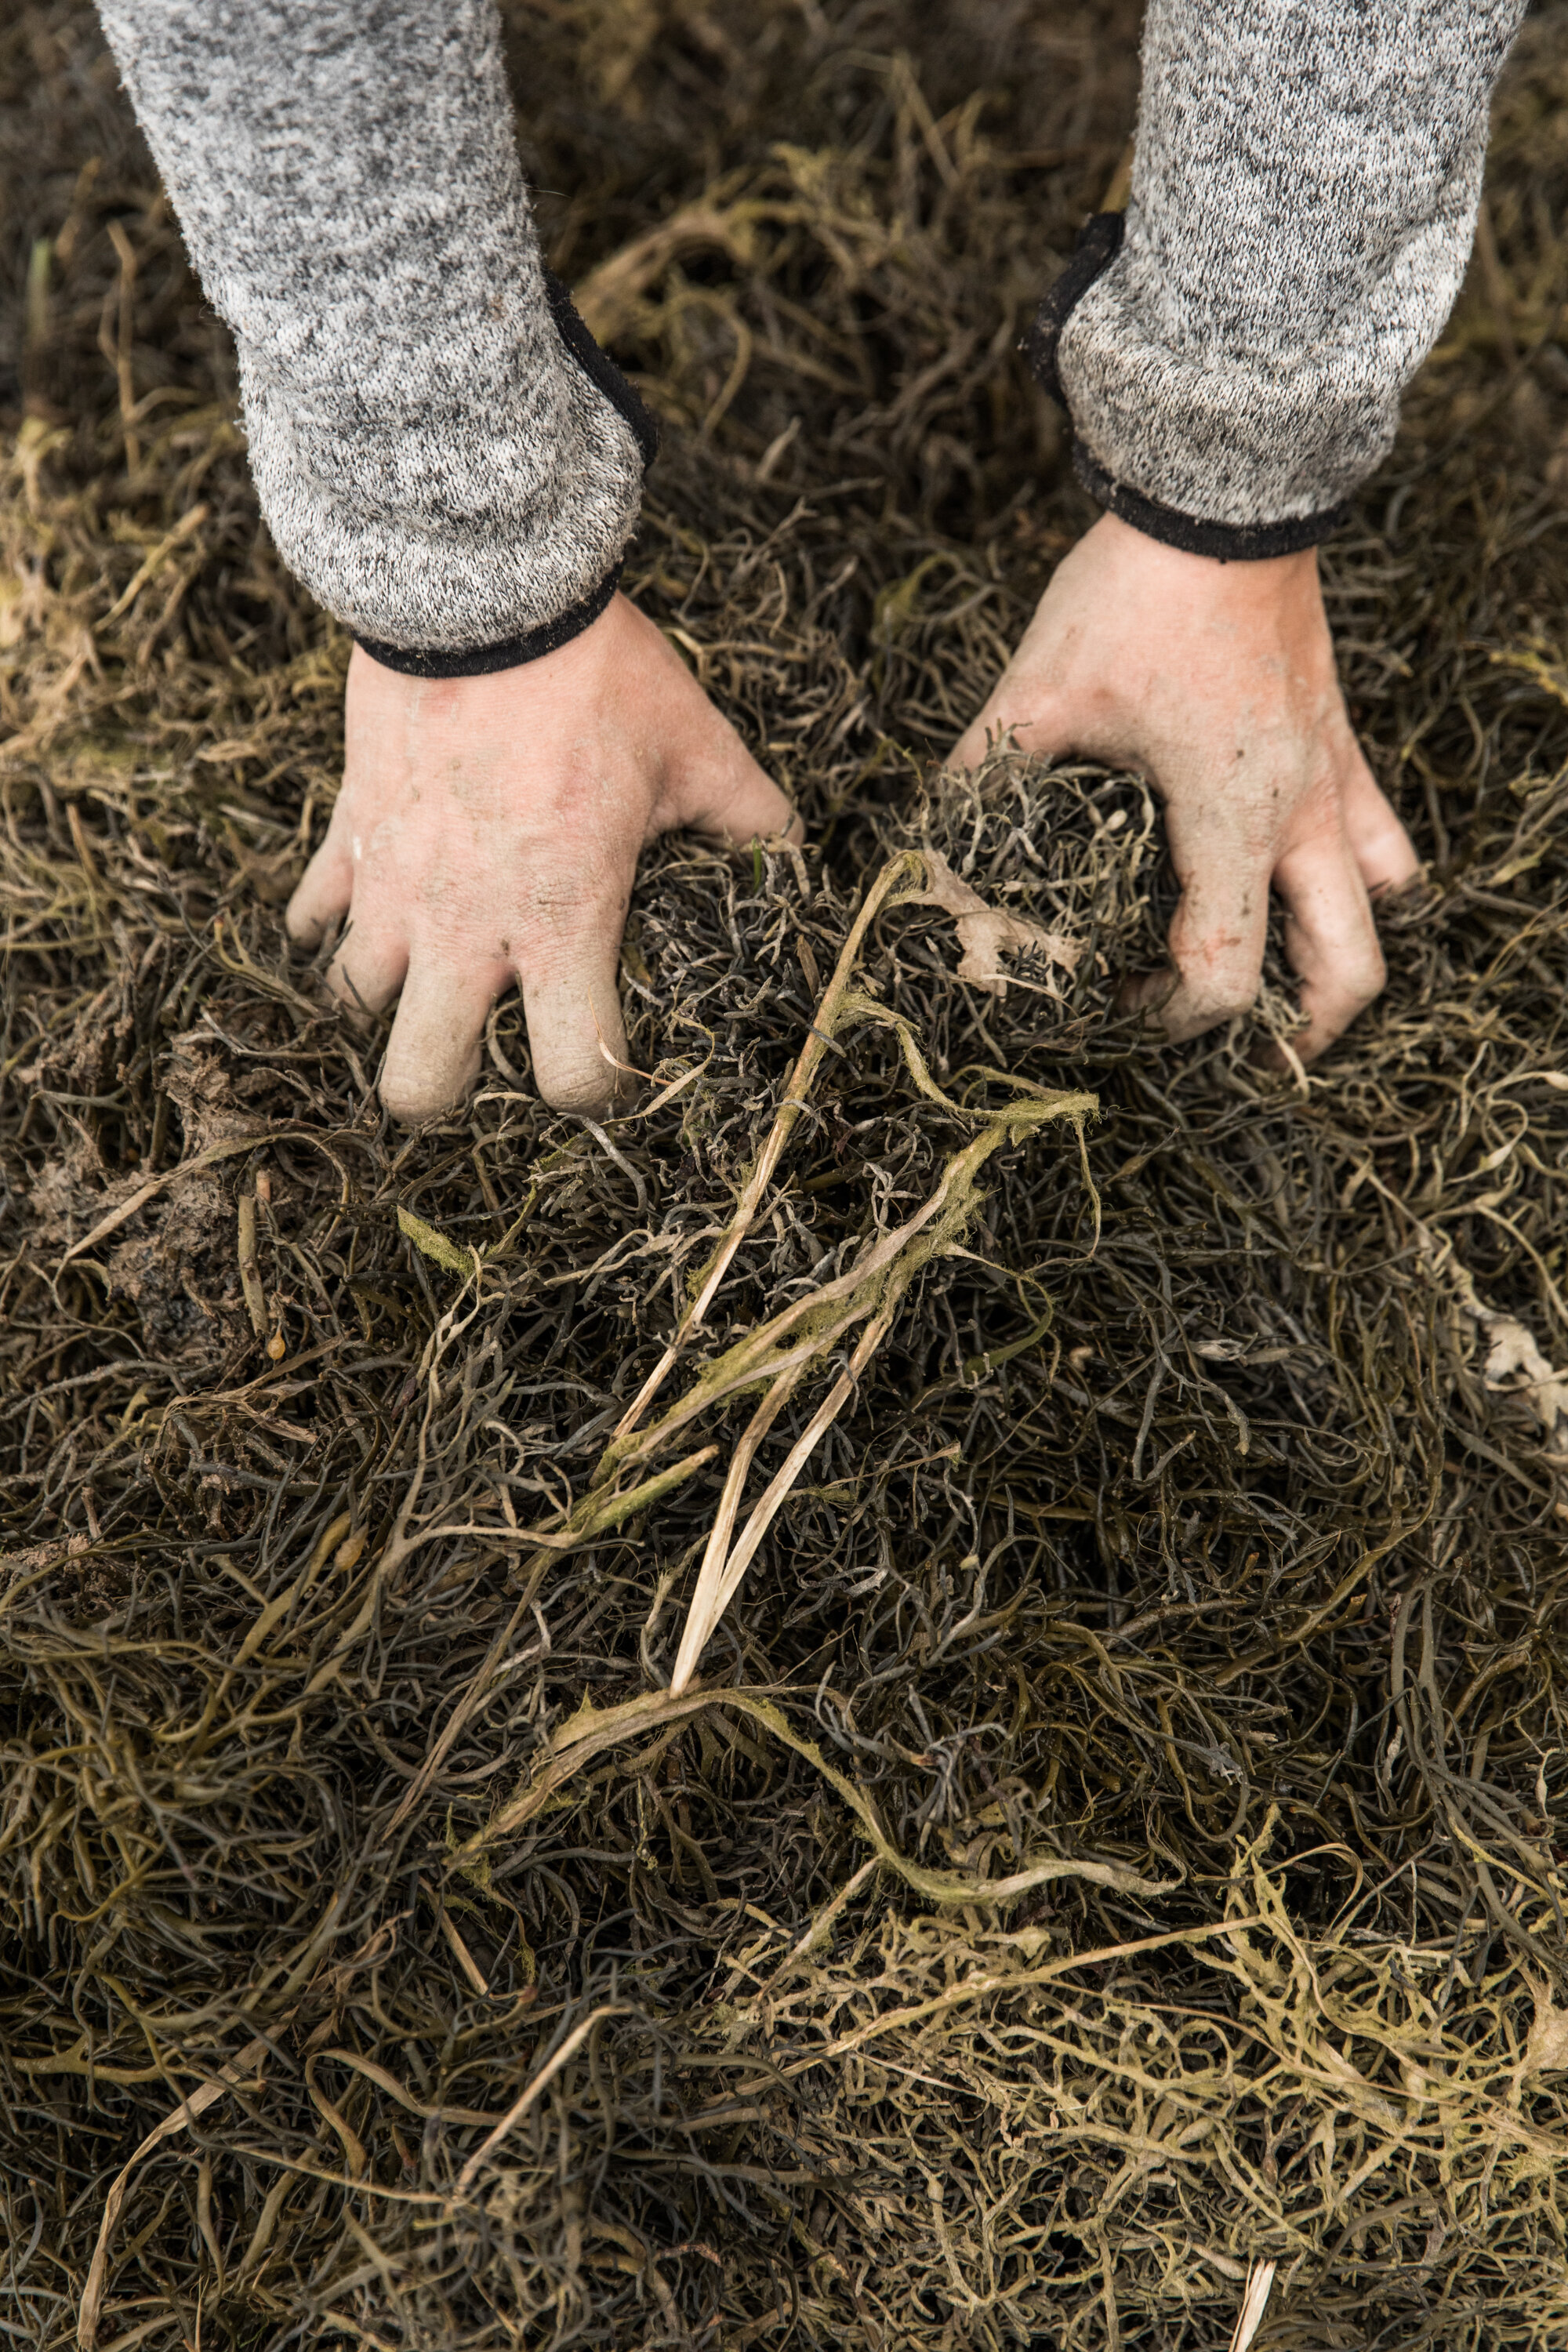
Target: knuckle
x=739 y=808
x=1223 y=994
x=1367 y=976
x=1239 y=997
x=563 y=904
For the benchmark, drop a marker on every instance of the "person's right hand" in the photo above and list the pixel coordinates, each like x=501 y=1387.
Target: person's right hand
x=1216 y=681
x=487 y=828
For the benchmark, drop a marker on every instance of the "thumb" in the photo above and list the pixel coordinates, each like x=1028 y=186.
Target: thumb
x=1028 y=703
x=717 y=789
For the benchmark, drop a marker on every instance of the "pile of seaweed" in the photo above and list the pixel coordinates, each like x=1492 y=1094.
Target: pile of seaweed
x=908 y=1698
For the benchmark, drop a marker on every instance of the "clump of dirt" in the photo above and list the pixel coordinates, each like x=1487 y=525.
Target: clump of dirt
x=911 y=1695
x=172 y=1272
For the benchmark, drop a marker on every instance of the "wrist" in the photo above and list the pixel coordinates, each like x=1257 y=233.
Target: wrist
x=1166 y=569
x=1198 y=617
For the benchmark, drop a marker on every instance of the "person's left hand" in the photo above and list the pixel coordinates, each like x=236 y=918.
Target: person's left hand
x=1216 y=681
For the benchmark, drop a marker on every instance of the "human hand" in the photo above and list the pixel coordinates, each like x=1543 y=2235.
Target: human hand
x=488 y=829
x=1216 y=681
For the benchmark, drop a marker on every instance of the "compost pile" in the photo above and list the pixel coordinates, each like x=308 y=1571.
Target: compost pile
x=1105 y=1831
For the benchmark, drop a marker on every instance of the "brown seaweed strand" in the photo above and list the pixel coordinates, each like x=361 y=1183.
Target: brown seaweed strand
x=898 y=869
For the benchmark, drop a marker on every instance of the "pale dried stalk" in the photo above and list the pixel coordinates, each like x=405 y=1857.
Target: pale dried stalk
x=721 y=1579
x=878 y=1283
x=593 y=1517
x=188 y=2111
x=756 y=1356
x=592 y=1730
x=90 y=2312
x=1253 y=2304
x=250 y=1269
x=779 y=1352
x=542 y=2082
x=713 y=1567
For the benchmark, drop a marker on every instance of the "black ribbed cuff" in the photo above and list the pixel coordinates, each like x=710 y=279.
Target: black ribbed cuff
x=1099 y=243
x=600 y=368
x=511 y=653
x=1229 y=542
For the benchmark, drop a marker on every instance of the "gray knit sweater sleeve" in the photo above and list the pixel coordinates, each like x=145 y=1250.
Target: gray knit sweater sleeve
x=442 y=454
x=1303 y=200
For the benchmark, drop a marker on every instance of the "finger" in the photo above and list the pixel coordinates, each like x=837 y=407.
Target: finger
x=1216 y=938
x=322 y=897
x=1383 y=850
x=370 y=963
x=433 y=1053
x=575 y=1033
x=1329 y=938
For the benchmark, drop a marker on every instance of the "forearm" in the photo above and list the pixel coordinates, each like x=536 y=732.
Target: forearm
x=1303 y=201
x=435 y=464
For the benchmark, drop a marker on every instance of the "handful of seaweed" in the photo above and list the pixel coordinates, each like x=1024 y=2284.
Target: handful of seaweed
x=908 y=1698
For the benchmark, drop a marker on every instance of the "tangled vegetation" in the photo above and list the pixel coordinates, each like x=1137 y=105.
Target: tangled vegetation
x=907 y=1698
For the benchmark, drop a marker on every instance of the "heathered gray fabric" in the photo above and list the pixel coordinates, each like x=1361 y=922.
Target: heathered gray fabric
x=443 y=475
x=1303 y=201
x=431 y=461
